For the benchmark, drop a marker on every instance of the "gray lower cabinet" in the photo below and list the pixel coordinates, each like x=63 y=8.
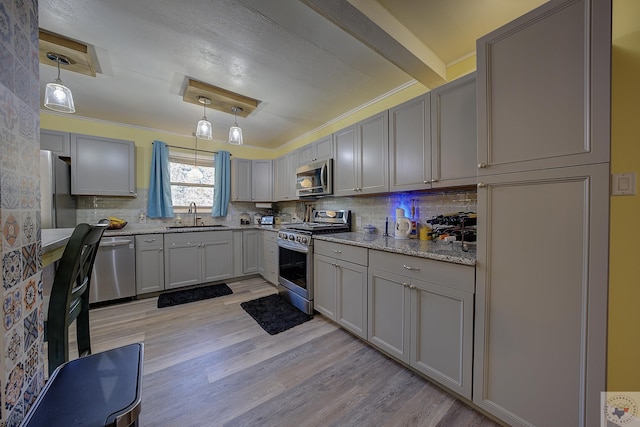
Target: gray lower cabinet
x=340 y=285
x=251 y=251
x=269 y=265
x=421 y=312
x=149 y=263
x=197 y=257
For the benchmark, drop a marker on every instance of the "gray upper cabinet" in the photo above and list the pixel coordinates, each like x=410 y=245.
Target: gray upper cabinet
x=261 y=180
x=319 y=150
x=102 y=166
x=361 y=164
x=251 y=180
x=537 y=111
x=57 y=142
x=454 y=133
x=432 y=138
x=284 y=177
x=240 y=180
x=410 y=145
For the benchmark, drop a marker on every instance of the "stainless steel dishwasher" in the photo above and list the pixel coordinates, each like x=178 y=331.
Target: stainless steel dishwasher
x=114 y=272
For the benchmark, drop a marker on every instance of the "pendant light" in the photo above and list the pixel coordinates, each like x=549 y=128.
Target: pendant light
x=57 y=96
x=235 y=133
x=194 y=173
x=204 y=130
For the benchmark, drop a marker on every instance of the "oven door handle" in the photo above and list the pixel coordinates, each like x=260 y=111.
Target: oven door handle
x=293 y=247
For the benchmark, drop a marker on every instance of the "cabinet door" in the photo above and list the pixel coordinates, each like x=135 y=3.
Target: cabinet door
x=102 y=166
x=182 y=263
x=323 y=148
x=344 y=167
x=262 y=180
x=541 y=301
x=281 y=178
x=324 y=281
x=442 y=334
x=269 y=265
x=373 y=158
x=410 y=145
x=57 y=142
x=388 y=313
x=216 y=260
x=250 y=251
x=149 y=263
x=351 y=297
x=544 y=88
x=241 y=180
x=454 y=133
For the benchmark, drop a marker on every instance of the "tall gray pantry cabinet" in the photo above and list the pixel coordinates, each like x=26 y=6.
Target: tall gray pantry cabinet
x=543 y=204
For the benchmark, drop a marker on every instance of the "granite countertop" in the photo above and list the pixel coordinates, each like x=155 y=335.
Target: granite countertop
x=132 y=231
x=436 y=250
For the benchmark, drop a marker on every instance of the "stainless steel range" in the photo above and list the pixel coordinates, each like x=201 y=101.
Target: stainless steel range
x=295 y=262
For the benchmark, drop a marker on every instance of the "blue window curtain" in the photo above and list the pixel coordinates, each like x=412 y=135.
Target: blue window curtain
x=160 y=204
x=222 y=192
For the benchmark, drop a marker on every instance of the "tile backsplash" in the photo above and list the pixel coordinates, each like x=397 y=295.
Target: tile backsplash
x=365 y=209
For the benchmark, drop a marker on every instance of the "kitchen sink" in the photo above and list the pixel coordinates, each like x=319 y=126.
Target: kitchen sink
x=196 y=226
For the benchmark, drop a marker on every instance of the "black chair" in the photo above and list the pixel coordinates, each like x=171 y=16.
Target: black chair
x=69 y=298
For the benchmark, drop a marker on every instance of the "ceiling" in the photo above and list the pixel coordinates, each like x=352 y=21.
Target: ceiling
x=295 y=58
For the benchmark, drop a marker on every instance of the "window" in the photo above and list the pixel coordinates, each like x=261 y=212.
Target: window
x=185 y=190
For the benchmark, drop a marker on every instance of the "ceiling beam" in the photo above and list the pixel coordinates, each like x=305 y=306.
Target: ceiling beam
x=370 y=23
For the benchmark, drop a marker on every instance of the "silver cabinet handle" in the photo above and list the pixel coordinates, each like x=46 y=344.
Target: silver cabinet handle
x=425 y=182
x=482 y=165
x=412 y=286
x=481 y=185
x=435 y=180
x=337 y=251
x=149 y=240
x=411 y=268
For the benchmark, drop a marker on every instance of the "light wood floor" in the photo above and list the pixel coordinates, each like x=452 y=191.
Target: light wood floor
x=208 y=363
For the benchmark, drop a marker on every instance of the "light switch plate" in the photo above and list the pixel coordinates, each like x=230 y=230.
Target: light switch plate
x=623 y=184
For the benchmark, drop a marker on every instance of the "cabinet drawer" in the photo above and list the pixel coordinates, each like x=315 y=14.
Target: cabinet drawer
x=354 y=254
x=149 y=240
x=270 y=236
x=455 y=276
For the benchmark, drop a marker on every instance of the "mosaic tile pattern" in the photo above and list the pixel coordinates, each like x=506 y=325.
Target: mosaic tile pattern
x=22 y=363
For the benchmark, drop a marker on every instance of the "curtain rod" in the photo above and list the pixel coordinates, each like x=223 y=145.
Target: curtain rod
x=189 y=148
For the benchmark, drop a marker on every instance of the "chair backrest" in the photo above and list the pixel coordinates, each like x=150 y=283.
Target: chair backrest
x=69 y=298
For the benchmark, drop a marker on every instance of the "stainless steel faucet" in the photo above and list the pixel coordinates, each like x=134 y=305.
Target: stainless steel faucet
x=193 y=206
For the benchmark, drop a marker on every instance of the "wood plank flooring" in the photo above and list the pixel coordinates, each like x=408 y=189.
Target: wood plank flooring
x=208 y=363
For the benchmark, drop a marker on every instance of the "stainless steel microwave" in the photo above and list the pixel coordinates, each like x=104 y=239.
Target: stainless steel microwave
x=315 y=179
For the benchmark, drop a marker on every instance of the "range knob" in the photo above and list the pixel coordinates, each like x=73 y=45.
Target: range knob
x=292 y=237
x=304 y=240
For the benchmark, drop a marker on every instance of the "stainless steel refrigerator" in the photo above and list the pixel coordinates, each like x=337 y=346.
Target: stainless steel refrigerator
x=57 y=205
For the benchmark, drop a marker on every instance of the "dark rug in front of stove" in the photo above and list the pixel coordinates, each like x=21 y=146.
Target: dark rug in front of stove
x=168 y=299
x=274 y=314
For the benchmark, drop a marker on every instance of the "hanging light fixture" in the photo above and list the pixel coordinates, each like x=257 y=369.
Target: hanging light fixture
x=235 y=133
x=57 y=96
x=194 y=173
x=204 y=130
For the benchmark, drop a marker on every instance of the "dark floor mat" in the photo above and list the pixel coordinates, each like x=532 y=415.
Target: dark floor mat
x=190 y=295
x=274 y=314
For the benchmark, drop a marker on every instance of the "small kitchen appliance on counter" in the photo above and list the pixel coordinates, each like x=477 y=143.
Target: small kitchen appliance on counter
x=295 y=250
x=403 y=225
x=267 y=220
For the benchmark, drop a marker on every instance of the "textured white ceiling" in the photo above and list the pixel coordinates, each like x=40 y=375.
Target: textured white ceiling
x=305 y=70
